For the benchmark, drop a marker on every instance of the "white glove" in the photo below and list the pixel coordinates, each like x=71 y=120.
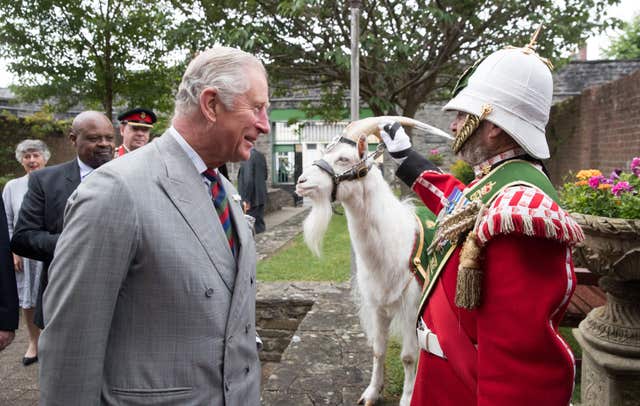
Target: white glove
x=396 y=140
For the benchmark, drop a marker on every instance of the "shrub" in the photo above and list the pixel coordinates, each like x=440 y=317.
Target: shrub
x=40 y=125
x=463 y=171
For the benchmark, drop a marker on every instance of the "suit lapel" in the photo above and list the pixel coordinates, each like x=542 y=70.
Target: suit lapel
x=246 y=259
x=71 y=172
x=237 y=215
x=185 y=188
x=241 y=229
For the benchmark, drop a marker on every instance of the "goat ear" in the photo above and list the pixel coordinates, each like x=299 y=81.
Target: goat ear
x=362 y=146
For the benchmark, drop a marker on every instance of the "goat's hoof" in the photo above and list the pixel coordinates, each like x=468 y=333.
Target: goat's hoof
x=366 y=402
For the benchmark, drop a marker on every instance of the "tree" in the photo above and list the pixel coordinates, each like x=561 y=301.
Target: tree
x=627 y=45
x=94 y=52
x=411 y=51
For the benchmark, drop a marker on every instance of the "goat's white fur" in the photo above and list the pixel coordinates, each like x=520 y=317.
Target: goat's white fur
x=382 y=230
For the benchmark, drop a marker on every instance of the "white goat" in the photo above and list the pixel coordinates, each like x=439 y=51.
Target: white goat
x=383 y=230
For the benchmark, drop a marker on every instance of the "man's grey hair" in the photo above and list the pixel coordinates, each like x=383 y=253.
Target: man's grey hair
x=32 y=145
x=222 y=68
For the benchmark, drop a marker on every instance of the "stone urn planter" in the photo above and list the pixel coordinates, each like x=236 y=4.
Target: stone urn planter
x=610 y=334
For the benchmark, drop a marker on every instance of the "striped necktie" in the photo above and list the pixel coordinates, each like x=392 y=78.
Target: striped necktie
x=221 y=203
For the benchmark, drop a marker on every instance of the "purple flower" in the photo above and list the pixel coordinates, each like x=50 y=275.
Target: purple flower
x=635 y=166
x=615 y=174
x=620 y=187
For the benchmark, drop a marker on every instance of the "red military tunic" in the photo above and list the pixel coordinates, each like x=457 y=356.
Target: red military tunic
x=508 y=350
x=121 y=150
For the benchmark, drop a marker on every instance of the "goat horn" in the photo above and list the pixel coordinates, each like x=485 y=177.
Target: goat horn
x=368 y=126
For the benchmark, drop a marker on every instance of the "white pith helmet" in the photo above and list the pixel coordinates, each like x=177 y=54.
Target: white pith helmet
x=518 y=86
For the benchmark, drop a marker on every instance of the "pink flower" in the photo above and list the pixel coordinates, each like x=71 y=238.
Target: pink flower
x=434 y=151
x=595 y=181
x=620 y=187
x=635 y=166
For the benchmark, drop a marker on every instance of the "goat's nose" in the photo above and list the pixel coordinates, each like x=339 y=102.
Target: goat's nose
x=302 y=179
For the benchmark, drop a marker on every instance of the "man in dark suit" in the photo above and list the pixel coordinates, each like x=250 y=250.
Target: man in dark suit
x=8 y=290
x=252 y=185
x=41 y=214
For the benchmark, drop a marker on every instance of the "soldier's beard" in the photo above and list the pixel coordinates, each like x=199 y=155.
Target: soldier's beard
x=474 y=150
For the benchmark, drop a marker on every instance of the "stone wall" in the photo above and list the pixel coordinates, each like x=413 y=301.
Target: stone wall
x=276 y=321
x=431 y=114
x=597 y=129
x=263 y=144
x=278 y=198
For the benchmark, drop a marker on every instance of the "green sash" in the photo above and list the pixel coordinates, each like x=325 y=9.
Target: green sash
x=510 y=173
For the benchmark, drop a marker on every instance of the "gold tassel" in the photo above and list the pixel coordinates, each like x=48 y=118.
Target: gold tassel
x=469 y=281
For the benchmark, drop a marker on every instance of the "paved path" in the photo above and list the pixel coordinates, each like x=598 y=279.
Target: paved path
x=328 y=361
x=18 y=384
x=282 y=226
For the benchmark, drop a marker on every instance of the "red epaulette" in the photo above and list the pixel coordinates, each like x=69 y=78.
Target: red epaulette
x=527 y=211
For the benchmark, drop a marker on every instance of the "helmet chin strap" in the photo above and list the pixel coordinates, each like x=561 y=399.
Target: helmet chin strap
x=470 y=124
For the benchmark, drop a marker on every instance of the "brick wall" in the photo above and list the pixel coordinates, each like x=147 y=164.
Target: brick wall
x=598 y=129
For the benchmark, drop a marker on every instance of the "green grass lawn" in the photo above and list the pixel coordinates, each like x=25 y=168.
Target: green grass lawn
x=295 y=262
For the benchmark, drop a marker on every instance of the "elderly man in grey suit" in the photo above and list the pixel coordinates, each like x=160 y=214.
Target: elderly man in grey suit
x=155 y=305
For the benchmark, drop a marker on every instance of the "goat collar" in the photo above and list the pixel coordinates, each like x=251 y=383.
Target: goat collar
x=357 y=171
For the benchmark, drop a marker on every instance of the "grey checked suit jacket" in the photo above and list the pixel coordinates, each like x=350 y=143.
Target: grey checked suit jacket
x=145 y=304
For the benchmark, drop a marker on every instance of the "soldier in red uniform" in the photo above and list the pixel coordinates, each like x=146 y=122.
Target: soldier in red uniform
x=135 y=128
x=499 y=274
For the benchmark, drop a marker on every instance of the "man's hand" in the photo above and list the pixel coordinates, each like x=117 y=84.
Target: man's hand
x=17 y=263
x=6 y=337
x=397 y=141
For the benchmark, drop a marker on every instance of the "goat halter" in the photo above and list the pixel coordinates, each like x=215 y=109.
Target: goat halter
x=356 y=171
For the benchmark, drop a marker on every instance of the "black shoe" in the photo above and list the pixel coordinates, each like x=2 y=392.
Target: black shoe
x=26 y=361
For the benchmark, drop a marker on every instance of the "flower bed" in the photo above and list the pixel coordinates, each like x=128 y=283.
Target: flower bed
x=614 y=196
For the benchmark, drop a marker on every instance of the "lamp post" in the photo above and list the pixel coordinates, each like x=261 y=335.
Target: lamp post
x=355 y=59
x=355 y=86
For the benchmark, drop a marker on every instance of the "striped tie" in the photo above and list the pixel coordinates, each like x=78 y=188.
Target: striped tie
x=221 y=203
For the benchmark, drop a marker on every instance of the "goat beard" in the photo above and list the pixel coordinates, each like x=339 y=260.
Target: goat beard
x=316 y=223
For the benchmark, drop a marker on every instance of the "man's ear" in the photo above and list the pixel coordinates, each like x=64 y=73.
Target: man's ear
x=209 y=101
x=362 y=146
x=73 y=138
